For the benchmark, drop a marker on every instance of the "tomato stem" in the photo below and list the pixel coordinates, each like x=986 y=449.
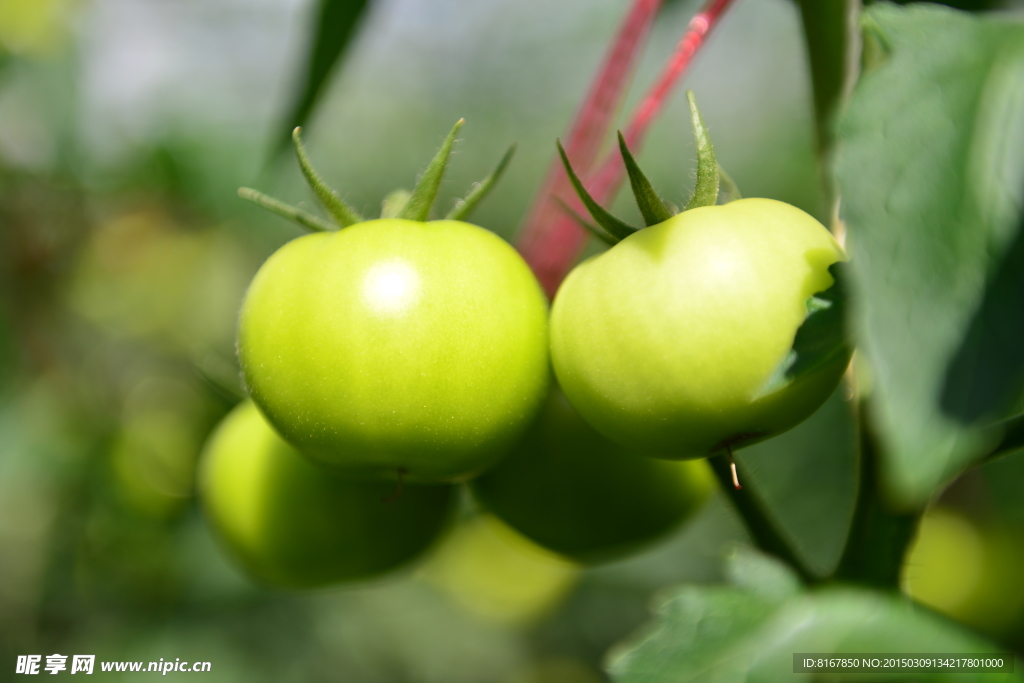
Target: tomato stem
x=760 y=526
x=879 y=536
x=549 y=239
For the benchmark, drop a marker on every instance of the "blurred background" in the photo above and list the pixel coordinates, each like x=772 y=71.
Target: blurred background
x=126 y=127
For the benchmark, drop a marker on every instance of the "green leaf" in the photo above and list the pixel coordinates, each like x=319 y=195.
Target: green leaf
x=730 y=635
x=306 y=220
x=760 y=574
x=700 y=635
x=652 y=207
x=804 y=482
x=464 y=207
x=615 y=227
x=821 y=338
x=423 y=195
x=851 y=621
x=335 y=25
x=986 y=375
x=705 y=190
x=342 y=212
x=932 y=175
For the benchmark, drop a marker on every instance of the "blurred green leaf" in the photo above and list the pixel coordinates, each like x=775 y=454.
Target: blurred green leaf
x=761 y=574
x=932 y=177
x=986 y=376
x=970 y=5
x=718 y=634
x=827 y=31
x=1013 y=438
x=1004 y=479
x=806 y=482
x=847 y=620
x=334 y=27
x=700 y=634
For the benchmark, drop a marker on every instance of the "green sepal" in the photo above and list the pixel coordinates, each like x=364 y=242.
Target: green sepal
x=588 y=226
x=652 y=207
x=306 y=220
x=464 y=207
x=425 y=192
x=393 y=204
x=821 y=338
x=705 y=190
x=616 y=228
x=342 y=213
x=728 y=190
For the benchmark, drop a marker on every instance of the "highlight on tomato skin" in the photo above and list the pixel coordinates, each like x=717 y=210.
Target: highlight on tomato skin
x=290 y=523
x=668 y=342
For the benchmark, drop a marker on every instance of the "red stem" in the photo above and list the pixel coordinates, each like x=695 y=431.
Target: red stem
x=610 y=176
x=546 y=238
x=550 y=239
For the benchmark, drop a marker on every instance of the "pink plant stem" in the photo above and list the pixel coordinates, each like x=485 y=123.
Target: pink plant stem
x=550 y=239
x=606 y=182
x=547 y=238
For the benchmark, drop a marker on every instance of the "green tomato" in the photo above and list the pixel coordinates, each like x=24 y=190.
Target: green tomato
x=396 y=346
x=295 y=524
x=665 y=343
x=967 y=569
x=571 y=490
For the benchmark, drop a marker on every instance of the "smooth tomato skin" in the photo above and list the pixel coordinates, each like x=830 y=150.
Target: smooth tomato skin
x=575 y=492
x=664 y=342
x=292 y=523
x=397 y=345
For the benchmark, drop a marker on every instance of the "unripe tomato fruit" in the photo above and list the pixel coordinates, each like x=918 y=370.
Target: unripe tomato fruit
x=665 y=343
x=295 y=524
x=396 y=346
x=571 y=490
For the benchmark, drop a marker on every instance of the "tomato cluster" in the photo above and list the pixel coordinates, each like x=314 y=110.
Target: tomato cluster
x=394 y=359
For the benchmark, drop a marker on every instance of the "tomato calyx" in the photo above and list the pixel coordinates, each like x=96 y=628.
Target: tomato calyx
x=712 y=181
x=415 y=205
x=820 y=340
